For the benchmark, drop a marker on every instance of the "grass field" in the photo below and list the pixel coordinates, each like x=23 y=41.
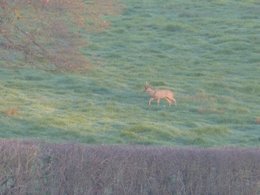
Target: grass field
x=207 y=52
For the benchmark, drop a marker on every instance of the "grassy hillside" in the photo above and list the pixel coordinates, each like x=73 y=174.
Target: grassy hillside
x=206 y=51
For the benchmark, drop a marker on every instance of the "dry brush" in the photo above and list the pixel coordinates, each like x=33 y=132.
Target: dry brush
x=41 y=168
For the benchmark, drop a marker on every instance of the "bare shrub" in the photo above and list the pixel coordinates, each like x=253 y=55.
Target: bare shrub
x=41 y=168
x=17 y=167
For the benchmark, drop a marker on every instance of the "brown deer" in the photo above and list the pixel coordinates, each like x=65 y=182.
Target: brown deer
x=45 y=2
x=158 y=94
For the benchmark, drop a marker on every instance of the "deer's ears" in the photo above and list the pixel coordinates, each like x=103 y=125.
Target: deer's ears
x=146 y=83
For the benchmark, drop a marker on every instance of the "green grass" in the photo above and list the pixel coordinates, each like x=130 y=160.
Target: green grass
x=206 y=51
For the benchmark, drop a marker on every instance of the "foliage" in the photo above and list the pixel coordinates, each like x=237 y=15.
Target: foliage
x=42 y=168
x=41 y=33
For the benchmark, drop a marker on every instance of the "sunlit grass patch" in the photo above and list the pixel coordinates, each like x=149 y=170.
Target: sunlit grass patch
x=150 y=133
x=212 y=131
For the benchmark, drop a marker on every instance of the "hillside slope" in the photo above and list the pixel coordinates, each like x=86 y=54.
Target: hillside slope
x=206 y=52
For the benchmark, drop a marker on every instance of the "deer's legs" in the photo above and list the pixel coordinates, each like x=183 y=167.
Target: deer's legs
x=174 y=101
x=151 y=99
x=158 y=101
x=169 y=101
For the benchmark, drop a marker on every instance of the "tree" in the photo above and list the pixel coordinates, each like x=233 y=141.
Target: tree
x=46 y=33
x=43 y=32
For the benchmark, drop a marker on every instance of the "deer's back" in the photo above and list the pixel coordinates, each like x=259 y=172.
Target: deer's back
x=163 y=93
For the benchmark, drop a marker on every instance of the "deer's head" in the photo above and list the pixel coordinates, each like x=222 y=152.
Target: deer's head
x=147 y=86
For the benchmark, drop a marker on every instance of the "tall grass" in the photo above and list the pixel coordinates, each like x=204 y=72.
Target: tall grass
x=41 y=168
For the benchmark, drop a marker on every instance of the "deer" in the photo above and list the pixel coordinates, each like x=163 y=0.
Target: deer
x=45 y=2
x=158 y=94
